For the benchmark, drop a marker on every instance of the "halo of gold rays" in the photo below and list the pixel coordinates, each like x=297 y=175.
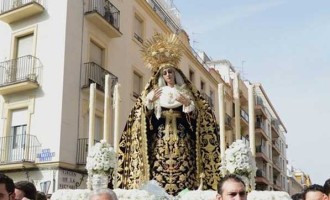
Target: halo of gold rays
x=161 y=51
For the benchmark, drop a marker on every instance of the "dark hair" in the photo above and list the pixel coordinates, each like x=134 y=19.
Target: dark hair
x=9 y=183
x=297 y=196
x=233 y=177
x=326 y=187
x=41 y=196
x=313 y=188
x=28 y=188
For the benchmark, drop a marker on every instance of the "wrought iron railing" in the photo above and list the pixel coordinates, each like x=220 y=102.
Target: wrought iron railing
x=208 y=99
x=8 y=5
x=82 y=150
x=107 y=10
x=260 y=149
x=164 y=15
x=94 y=73
x=260 y=125
x=244 y=115
x=25 y=68
x=260 y=173
x=19 y=148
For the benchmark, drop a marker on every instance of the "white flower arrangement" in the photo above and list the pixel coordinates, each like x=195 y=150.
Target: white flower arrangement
x=238 y=160
x=271 y=195
x=101 y=159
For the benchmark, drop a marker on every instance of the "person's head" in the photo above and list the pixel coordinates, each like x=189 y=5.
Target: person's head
x=25 y=189
x=297 y=196
x=41 y=196
x=103 y=194
x=314 y=192
x=326 y=187
x=7 y=188
x=231 y=187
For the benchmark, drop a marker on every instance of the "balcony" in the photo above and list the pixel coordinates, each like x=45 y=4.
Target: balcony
x=208 y=99
x=15 y=10
x=105 y=16
x=19 y=149
x=244 y=117
x=261 y=152
x=275 y=128
x=171 y=20
x=93 y=73
x=20 y=74
x=261 y=129
x=82 y=150
x=261 y=177
x=276 y=147
x=260 y=108
x=228 y=122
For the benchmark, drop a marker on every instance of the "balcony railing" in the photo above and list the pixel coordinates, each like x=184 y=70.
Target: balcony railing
x=94 y=73
x=25 y=68
x=164 y=15
x=244 y=115
x=260 y=173
x=208 y=99
x=82 y=150
x=19 y=148
x=107 y=10
x=261 y=149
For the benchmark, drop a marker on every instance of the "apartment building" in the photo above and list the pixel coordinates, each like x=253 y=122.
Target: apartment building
x=50 y=53
x=264 y=132
x=297 y=180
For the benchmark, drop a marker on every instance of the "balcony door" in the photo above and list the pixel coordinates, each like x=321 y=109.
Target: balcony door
x=21 y=66
x=17 y=139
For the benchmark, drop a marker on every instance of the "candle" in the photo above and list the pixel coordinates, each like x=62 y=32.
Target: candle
x=92 y=98
x=106 y=123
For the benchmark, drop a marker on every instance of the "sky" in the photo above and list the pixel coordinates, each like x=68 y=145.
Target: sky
x=285 y=46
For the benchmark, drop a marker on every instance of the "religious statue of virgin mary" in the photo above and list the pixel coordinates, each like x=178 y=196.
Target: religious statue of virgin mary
x=171 y=133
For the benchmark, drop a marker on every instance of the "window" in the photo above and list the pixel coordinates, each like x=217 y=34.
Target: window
x=24 y=45
x=191 y=76
x=96 y=53
x=18 y=128
x=137 y=84
x=202 y=86
x=138 y=28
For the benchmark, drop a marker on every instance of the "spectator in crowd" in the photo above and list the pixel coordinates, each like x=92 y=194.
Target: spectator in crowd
x=231 y=187
x=41 y=196
x=297 y=196
x=25 y=189
x=327 y=188
x=314 y=192
x=7 y=188
x=103 y=194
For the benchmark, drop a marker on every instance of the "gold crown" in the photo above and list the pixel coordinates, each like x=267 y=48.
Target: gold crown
x=161 y=51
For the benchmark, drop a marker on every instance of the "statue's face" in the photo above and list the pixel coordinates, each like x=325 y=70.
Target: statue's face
x=169 y=76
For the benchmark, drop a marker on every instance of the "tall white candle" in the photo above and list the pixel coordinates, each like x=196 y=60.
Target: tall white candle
x=222 y=119
x=116 y=117
x=106 y=123
x=92 y=98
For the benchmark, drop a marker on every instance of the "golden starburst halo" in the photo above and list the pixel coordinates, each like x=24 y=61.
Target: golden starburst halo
x=162 y=51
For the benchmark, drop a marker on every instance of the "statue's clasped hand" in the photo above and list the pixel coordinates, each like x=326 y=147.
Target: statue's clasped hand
x=157 y=94
x=183 y=100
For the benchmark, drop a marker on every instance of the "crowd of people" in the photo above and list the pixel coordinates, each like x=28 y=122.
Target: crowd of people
x=230 y=187
x=25 y=190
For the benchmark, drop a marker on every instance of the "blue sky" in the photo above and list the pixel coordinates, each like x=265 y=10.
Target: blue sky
x=285 y=45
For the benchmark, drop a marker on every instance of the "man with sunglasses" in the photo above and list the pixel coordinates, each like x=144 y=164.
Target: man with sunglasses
x=7 y=188
x=231 y=187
